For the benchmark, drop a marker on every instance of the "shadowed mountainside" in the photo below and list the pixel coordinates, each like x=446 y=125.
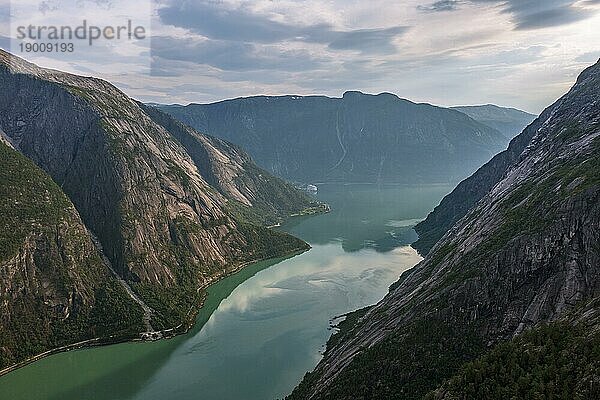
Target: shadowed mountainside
x=356 y=138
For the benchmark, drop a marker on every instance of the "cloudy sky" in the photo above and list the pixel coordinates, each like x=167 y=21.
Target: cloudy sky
x=521 y=53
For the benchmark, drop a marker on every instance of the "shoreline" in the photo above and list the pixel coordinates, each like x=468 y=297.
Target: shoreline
x=165 y=333
x=393 y=184
x=193 y=311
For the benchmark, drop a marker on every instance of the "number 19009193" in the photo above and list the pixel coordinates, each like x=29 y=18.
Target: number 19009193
x=27 y=47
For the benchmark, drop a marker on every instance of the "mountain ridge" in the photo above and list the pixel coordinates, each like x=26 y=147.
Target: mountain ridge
x=355 y=138
x=507 y=120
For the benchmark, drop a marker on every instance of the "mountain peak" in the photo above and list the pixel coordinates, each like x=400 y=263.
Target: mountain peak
x=358 y=94
x=353 y=93
x=358 y=138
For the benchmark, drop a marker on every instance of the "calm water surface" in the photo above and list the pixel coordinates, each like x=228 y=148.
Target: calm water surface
x=262 y=329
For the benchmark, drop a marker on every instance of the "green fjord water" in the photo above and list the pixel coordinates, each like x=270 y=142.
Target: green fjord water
x=262 y=329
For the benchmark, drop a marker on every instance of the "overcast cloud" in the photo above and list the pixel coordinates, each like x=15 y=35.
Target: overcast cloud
x=521 y=53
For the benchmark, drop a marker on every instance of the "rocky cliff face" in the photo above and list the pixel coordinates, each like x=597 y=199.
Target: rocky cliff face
x=456 y=205
x=162 y=225
x=256 y=194
x=54 y=288
x=357 y=138
x=526 y=252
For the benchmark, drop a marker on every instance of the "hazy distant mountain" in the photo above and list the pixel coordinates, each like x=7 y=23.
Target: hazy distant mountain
x=520 y=263
x=356 y=138
x=509 y=121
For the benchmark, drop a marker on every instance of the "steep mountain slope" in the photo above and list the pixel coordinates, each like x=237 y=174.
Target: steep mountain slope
x=527 y=252
x=54 y=288
x=259 y=196
x=165 y=229
x=456 y=204
x=557 y=360
x=357 y=138
x=508 y=121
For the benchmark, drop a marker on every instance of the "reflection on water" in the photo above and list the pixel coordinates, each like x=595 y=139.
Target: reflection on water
x=369 y=216
x=111 y=372
x=263 y=337
x=262 y=329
